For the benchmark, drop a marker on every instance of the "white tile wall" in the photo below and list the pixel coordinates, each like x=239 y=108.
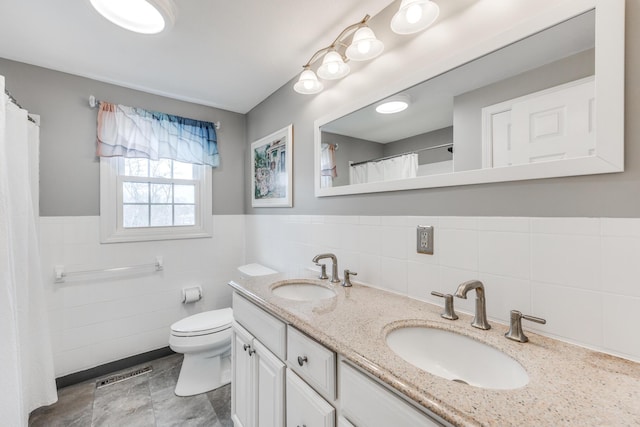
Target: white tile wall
x=100 y=318
x=581 y=274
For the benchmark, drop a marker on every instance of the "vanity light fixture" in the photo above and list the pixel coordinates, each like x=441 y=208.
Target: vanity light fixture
x=414 y=16
x=364 y=45
x=333 y=66
x=308 y=83
x=140 y=16
x=393 y=105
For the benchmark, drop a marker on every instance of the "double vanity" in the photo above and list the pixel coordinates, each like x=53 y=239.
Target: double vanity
x=308 y=352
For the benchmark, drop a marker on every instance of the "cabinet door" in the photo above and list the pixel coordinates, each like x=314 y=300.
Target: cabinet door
x=368 y=404
x=243 y=390
x=270 y=385
x=305 y=407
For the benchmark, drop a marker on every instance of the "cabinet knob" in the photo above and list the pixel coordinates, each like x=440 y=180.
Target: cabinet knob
x=301 y=360
x=246 y=346
x=251 y=351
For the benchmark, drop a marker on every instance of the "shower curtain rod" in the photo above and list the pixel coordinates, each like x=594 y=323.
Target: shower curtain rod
x=93 y=103
x=15 y=102
x=450 y=145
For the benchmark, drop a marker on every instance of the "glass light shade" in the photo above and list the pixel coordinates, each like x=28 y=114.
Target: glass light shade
x=140 y=16
x=308 y=83
x=393 y=105
x=414 y=16
x=364 y=45
x=333 y=67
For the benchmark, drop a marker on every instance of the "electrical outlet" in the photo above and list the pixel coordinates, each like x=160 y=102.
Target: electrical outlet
x=424 y=242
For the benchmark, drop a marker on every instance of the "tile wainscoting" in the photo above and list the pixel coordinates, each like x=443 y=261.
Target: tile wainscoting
x=100 y=318
x=580 y=274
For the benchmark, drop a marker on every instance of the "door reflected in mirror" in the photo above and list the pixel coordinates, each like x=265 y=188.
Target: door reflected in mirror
x=532 y=101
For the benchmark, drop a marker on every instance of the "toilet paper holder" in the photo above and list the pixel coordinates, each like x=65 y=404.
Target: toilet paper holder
x=190 y=295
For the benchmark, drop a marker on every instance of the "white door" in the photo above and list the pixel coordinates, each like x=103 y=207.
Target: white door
x=554 y=124
x=270 y=385
x=243 y=390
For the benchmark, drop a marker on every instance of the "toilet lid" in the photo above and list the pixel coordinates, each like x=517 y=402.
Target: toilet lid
x=206 y=322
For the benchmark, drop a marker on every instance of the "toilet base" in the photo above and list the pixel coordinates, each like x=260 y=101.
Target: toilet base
x=202 y=374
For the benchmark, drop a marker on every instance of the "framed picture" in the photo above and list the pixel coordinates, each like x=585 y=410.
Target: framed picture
x=271 y=169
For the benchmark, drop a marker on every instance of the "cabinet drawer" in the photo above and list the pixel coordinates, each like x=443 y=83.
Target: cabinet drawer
x=305 y=407
x=312 y=361
x=364 y=402
x=266 y=328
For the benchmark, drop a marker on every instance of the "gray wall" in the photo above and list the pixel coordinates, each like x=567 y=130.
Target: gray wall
x=608 y=195
x=429 y=139
x=350 y=149
x=69 y=168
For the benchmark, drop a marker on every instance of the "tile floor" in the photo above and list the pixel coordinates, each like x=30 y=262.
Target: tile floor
x=143 y=401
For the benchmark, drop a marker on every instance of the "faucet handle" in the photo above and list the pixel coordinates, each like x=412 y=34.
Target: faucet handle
x=515 y=326
x=449 y=312
x=323 y=271
x=347 y=276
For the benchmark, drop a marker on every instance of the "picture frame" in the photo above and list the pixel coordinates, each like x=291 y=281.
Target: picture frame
x=272 y=169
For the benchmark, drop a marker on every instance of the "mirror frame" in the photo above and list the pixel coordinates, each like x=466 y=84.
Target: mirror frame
x=609 y=77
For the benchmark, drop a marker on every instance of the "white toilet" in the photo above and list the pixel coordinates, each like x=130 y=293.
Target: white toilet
x=205 y=341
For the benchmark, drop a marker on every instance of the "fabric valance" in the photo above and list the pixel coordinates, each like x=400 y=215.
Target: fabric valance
x=136 y=132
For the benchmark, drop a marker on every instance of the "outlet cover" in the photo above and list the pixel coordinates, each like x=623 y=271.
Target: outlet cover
x=424 y=241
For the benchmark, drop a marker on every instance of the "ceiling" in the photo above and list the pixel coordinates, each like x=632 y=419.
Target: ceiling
x=225 y=54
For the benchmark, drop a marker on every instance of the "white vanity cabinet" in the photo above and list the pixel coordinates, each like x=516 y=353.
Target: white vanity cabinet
x=258 y=375
x=257 y=383
x=305 y=407
x=311 y=385
x=366 y=403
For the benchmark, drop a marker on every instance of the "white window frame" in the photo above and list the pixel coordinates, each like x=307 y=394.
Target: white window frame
x=111 y=229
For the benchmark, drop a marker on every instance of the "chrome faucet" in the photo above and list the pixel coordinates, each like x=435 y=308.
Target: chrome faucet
x=480 y=318
x=334 y=266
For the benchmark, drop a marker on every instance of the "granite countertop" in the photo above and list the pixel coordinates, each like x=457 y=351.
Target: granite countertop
x=568 y=385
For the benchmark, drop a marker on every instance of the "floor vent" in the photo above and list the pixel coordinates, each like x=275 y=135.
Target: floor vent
x=121 y=377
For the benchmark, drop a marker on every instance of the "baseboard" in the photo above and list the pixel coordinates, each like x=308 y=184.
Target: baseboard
x=108 y=368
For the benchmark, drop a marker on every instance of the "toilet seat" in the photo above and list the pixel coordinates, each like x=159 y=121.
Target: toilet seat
x=205 y=323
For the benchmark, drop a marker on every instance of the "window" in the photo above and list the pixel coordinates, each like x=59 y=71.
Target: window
x=143 y=199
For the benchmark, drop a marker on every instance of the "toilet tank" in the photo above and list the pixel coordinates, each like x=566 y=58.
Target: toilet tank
x=253 y=270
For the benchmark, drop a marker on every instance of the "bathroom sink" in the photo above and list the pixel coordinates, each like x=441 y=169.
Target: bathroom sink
x=302 y=291
x=457 y=358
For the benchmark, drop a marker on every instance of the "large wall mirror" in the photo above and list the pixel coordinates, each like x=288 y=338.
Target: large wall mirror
x=545 y=104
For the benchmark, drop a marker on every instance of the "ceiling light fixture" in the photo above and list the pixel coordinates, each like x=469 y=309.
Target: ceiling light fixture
x=414 y=16
x=393 y=105
x=364 y=46
x=140 y=16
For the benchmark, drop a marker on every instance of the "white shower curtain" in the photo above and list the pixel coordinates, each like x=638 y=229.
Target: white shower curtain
x=400 y=167
x=26 y=361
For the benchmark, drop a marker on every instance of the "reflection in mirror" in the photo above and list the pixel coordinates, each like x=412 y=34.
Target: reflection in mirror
x=531 y=101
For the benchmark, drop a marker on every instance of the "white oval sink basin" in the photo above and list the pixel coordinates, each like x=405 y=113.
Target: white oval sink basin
x=457 y=358
x=302 y=291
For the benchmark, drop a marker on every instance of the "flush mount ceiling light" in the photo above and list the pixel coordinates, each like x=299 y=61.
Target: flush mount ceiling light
x=414 y=16
x=140 y=16
x=364 y=45
x=395 y=104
